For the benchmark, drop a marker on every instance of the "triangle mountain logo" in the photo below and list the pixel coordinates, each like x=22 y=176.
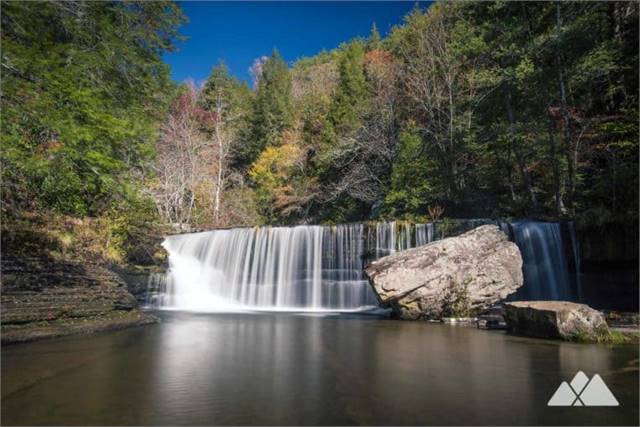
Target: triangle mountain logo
x=583 y=392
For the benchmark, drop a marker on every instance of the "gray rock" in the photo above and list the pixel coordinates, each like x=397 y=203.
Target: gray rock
x=491 y=322
x=454 y=277
x=556 y=319
x=44 y=297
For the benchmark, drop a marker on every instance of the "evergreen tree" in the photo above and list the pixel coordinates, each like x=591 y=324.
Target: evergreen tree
x=226 y=95
x=414 y=178
x=374 y=42
x=350 y=100
x=272 y=112
x=83 y=87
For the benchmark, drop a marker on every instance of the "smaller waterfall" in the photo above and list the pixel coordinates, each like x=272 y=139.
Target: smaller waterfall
x=156 y=288
x=385 y=238
x=545 y=267
x=424 y=234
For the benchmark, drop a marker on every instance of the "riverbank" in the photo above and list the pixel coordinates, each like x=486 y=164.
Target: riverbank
x=59 y=279
x=45 y=298
x=113 y=321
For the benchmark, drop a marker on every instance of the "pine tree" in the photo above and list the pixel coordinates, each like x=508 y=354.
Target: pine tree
x=272 y=109
x=226 y=93
x=374 y=41
x=350 y=99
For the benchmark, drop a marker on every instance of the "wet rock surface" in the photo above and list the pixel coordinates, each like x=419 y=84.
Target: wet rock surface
x=137 y=278
x=454 y=277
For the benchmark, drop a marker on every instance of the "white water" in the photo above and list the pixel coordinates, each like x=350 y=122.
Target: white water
x=303 y=268
x=545 y=267
x=320 y=268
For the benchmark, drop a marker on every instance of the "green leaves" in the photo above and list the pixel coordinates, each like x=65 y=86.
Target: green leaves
x=85 y=87
x=350 y=99
x=272 y=111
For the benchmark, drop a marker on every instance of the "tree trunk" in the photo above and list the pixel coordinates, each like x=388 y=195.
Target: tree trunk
x=555 y=168
x=566 y=121
x=218 y=186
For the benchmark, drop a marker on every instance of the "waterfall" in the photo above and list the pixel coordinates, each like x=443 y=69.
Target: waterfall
x=321 y=267
x=424 y=233
x=279 y=268
x=545 y=267
x=156 y=288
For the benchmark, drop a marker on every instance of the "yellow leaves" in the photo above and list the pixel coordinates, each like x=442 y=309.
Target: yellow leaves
x=274 y=165
x=273 y=173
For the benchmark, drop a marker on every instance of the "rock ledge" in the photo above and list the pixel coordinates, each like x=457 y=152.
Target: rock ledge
x=556 y=319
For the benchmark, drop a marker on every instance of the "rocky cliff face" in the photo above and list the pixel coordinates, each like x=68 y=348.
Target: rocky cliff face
x=457 y=276
x=43 y=297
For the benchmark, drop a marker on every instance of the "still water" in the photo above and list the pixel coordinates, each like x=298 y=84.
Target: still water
x=275 y=368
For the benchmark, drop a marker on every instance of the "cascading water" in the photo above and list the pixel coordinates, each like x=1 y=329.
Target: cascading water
x=545 y=267
x=279 y=268
x=321 y=267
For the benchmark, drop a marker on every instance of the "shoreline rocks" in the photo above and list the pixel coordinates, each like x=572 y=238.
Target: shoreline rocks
x=43 y=298
x=556 y=319
x=454 y=277
x=14 y=334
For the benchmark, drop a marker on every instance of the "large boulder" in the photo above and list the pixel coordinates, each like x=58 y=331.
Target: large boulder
x=454 y=277
x=556 y=319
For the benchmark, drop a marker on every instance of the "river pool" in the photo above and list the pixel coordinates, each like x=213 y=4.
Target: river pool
x=277 y=368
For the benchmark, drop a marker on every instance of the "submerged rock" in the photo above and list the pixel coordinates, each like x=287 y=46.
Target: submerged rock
x=556 y=319
x=455 y=277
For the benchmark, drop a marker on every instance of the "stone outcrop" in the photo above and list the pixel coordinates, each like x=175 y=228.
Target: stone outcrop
x=44 y=297
x=457 y=276
x=137 y=278
x=556 y=319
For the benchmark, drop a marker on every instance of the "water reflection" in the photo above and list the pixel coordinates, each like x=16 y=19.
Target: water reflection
x=269 y=368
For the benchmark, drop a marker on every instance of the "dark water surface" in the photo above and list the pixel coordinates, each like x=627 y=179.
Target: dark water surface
x=222 y=369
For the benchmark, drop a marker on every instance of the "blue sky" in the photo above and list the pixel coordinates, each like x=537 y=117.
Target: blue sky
x=239 y=32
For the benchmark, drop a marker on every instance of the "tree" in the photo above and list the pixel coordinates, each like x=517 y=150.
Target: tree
x=362 y=160
x=83 y=88
x=412 y=178
x=227 y=99
x=558 y=70
x=439 y=79
x=272 y=112
x=272 y=174
x=374 y=42
x=182 y=165
x=350 y=99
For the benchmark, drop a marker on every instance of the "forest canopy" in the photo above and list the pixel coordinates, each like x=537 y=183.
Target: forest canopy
x=466 y=109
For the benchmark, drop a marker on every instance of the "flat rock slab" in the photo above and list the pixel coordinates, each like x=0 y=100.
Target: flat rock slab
x=454 y=277
x=556 y=319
